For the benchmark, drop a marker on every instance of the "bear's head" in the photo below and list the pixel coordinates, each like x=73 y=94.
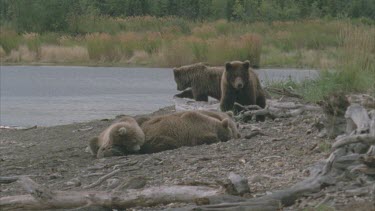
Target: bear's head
x=224 y=131
x=128 y=137
x=181 y=80
x=237 y=74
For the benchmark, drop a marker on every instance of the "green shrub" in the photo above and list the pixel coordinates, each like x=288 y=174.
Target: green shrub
x=9 y=40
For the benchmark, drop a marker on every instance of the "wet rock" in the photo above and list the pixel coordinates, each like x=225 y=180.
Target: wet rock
x=238 y=184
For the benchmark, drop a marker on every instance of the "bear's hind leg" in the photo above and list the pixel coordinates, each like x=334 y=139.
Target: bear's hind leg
x=198 y=96
x=201 y=97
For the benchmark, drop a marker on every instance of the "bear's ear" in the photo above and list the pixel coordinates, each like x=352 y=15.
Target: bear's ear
x=176 y=72
x=225 y=123
x=122 y=131
x=228 y=66
x=246 y=64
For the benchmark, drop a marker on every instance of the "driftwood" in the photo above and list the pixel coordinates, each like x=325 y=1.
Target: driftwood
x=273 y=110
x=101 y=179
x=357 y=119
x=283 y=91
x=10 y=179
x=363 y=138
x=41 y=198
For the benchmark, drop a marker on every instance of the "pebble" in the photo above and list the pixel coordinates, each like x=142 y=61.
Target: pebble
x=55 y=176
x=112 y=183
x=135 y=183
x=279 y=164
x=74 y=182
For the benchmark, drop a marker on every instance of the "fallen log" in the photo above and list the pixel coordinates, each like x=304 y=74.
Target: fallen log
x=41 y=198
x=277 y=199
x=273 y=113
x=10 y=179
x=283 y=91
x=362 y=138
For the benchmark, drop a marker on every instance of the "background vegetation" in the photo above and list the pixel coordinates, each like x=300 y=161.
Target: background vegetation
x=63 y=15
x=323 y=34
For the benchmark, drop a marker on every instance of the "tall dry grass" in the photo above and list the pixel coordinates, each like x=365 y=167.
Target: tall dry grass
x=63 y=54
x=355 y=67
x=21 y=54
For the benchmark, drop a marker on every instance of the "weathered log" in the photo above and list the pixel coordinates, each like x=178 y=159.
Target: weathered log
x=364 y=169
x=365 y=100
x=371 y=150
x=10 y=179
x=345 y=162
x=240 y=107
x=372 y=125
x=368 y=160
x=362 y=138
x=101 y=179
x=42 y=198
x=273 y=112
x=283 y=91
x=277 y=199
x=357 y=119
x=360 y=191
x=265 y=204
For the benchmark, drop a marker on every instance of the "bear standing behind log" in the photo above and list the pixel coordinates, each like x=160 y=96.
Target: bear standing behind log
x=203 y=80
x=239 y=83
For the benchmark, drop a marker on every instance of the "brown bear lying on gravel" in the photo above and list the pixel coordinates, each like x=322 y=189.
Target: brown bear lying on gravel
x=203 y=80
x=241 y=84
x=122 y=137
x=188 y=128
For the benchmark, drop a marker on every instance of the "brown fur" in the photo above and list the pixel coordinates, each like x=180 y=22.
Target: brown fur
x=241 y=84
x=203 y=80
x=214 y=114
x=221 y=116
x=122 y=137
x=188 y=128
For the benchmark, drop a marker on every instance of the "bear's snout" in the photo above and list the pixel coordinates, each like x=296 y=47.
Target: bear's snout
x=238 y=83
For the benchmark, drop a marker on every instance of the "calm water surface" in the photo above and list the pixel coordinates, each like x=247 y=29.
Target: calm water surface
x=53 y=95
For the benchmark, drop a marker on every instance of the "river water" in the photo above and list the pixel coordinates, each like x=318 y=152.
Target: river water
x=55 y=95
